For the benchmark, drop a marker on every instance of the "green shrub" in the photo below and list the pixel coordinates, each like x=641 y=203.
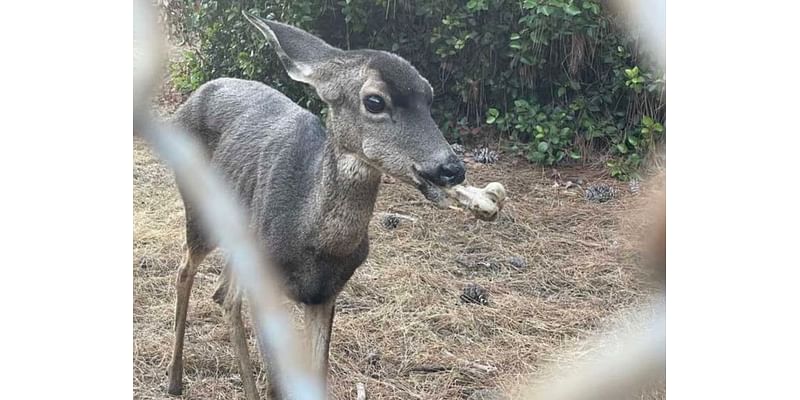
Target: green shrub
x=555 y=80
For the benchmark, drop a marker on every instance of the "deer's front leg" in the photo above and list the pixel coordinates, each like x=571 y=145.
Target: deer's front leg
x=318 y=322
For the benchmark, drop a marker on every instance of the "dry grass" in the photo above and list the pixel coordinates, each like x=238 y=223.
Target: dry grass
x=400 y=326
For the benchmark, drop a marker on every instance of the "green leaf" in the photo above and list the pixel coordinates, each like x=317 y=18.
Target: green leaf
x=632 y=140
x=622 y=148
x=537 y=156
x=543 y=146
x=546 y=10
x=647 y=121
x=629 y=73
x=571 y=10
x=515 y=36
x=575 y=155
x=491 y=115
x=562 y=91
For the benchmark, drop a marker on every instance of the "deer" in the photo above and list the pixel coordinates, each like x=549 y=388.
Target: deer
x=310 y=189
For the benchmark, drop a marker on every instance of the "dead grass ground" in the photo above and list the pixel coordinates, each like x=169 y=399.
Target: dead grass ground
x=400 y=326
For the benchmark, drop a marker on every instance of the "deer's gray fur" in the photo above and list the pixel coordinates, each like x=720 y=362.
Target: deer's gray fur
x=310 y=191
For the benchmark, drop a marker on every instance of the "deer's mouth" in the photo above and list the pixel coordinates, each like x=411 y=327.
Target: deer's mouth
x=433 y=192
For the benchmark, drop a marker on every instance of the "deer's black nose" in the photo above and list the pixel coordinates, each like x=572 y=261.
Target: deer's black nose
x=447 y=174
x=453 y=173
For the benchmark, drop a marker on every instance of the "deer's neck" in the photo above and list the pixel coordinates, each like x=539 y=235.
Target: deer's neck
x=345 y=200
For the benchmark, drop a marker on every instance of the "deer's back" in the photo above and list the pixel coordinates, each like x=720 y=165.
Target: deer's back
x=243 y=112
x=266 y=146
x=269 y=150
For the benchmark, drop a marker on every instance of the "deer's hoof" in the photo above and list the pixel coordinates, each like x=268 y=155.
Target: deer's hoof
x=175 y=389
x=175 y=386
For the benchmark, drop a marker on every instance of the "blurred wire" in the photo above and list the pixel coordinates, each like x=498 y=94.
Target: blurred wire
x=640 y=358
x=647 y=18
x=222 y=216
x=640 y=361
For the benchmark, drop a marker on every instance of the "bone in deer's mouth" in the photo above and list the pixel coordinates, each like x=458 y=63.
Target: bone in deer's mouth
x=485 y=204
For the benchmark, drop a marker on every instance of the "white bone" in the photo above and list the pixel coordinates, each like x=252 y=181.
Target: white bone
x=484 y=204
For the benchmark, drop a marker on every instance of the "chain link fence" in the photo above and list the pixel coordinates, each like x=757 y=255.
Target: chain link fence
x=639 y=358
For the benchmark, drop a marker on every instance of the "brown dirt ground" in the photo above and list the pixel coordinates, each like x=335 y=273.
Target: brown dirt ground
x=400 y=326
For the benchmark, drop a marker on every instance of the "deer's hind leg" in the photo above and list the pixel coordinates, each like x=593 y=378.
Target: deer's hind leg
x=196 y=248
x=230 y=297
x=183 y=287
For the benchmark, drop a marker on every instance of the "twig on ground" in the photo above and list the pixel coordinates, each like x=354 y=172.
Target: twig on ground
x=429 y=368
x=410 y=204
x=487 y=369
x=401 y=216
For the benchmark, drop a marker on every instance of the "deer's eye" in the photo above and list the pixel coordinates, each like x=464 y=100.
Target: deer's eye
x=374 y=103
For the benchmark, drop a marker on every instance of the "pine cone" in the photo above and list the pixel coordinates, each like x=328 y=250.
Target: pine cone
x=458 y=149
x=634 y=186
x=600 y=193
x=474 y=293
x=485 y=156
x=390 y=221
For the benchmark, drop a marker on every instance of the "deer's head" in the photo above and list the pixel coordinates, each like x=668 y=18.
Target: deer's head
x=379 y=107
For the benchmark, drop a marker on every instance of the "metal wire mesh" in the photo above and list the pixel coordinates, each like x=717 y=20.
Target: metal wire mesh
x=640 y=360
x=222 y=217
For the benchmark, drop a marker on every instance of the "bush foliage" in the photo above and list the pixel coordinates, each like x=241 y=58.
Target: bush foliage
x=554 y=80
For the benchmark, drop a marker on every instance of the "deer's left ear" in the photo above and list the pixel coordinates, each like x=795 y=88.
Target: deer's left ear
x=301 y=53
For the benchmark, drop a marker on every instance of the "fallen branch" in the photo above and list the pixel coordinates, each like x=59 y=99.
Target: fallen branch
x=401 y=216
x=429 y=368
x=487 y=369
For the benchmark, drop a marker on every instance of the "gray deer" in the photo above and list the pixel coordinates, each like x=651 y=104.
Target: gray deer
x=310 y=192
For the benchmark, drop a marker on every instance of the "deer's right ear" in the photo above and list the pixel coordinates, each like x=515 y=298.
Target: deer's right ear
x=301 y=53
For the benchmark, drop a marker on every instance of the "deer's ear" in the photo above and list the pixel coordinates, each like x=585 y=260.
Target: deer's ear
x=300 y=52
